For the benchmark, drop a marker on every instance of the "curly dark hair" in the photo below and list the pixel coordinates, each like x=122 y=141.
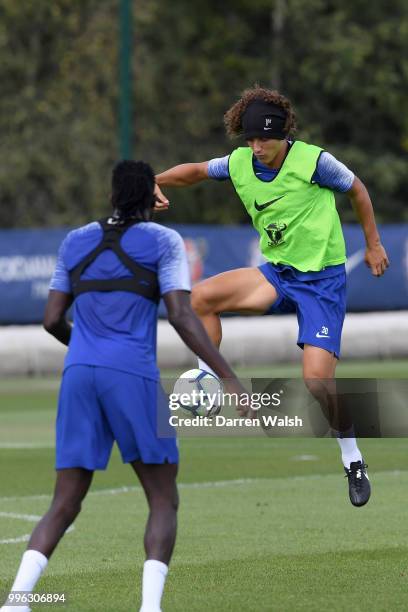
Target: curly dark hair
x=132 y=189
x=233 y=116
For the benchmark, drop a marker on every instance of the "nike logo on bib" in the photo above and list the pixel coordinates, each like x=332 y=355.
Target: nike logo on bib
x=260 y=207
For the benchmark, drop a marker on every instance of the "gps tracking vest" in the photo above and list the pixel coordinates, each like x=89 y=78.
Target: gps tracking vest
x=296 y=219
x=143 y=281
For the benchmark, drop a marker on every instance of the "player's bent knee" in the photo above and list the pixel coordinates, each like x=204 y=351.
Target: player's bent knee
x=311 y=379
x=200 y=300
x=313 y=385
x=165 y=503
x=320 y=388
x=316 y=373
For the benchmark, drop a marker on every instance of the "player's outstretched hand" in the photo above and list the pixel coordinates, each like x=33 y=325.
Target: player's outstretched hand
x=162 y=202
x=376 y=259
x=233 y=385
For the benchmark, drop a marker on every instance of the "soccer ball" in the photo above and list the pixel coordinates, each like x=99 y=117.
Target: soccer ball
x=199 y=393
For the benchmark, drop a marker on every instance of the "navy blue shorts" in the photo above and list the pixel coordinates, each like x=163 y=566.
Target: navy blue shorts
x=320 y=305
x=100 y=405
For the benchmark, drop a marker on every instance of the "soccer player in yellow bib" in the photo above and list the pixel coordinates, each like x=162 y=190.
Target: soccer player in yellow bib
x=287 y=187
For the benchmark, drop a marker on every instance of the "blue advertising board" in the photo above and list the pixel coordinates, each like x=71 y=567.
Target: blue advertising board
x=27 y=260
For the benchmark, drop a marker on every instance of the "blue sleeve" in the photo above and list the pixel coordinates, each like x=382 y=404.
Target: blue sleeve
x=332 y=174
x=218 y=168
x=173 y=268
x=60 y=280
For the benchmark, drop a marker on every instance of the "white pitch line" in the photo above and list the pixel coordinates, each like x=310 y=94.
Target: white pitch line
x=117 y=491
x=202 y=485
x=24 y=445
x=23 y=538
x=185 y=485
x=138 y=489
x=31 y=518
x=182 y=485
x=305 y=458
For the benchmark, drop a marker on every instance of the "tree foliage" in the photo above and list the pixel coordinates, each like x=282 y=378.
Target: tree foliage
x=344 y=65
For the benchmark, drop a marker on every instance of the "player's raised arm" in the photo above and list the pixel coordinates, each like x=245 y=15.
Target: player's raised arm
x=178 y=176
x=375 y=256
x=183 y=174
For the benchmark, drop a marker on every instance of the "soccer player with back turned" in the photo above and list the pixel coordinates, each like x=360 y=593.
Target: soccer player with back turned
x=287 y=187
x=116 y=270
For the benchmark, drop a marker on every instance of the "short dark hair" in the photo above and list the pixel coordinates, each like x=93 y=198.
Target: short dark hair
x=133 y=189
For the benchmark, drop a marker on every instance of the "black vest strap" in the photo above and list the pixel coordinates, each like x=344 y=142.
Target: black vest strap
x=143 y=281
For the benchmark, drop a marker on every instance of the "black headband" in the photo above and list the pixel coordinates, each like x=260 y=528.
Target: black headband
x=264 y=120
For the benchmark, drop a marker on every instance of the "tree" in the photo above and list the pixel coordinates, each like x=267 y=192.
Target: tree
x=344 y=65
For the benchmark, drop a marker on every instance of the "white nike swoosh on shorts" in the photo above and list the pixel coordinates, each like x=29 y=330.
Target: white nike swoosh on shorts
x=318 y=335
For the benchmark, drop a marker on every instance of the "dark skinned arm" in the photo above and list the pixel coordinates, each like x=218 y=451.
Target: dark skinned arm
x=190 y=329
x=375 y=255
x=55 y=322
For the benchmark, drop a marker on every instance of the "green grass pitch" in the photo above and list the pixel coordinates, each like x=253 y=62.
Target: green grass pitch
x=264 y=525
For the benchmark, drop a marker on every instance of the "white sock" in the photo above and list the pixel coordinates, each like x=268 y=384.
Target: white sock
x=154 y=577
x=203 y=366
x=348 y=445
x=31 y=567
